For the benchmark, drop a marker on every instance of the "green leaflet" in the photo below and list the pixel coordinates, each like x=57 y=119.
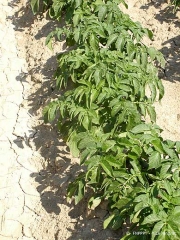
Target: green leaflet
x=120 y=42
x=112 y=38
x=102 y=12
x=94 y=202
x=151 y=112
x=157 y=229
x=141 y=128
x=107 y=221
x=155 y=160
x=153 y=91
x=35 y=6
x=151 y=219
x=178 y=146
x=106 y=167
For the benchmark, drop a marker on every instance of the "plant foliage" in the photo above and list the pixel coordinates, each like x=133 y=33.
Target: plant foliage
x=102 y=116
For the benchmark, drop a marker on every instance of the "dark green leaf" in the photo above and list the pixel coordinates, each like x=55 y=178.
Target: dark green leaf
x=117 y=222
x=161 y=89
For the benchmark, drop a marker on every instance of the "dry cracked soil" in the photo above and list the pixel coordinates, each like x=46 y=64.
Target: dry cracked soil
x=36 y=165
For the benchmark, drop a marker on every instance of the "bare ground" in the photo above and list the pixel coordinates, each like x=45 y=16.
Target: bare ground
x=52 y=218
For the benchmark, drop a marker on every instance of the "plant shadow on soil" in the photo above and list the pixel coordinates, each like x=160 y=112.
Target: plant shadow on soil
x=171 y=47
x=58 y=166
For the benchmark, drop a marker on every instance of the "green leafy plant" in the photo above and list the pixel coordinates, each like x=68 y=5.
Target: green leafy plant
x=105 y=73
x=40 y=5
x=176 y=4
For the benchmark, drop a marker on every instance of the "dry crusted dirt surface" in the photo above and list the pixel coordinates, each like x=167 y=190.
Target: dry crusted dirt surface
x=45 y=214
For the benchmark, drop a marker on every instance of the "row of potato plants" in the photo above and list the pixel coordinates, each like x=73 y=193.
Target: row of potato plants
x=102 y=117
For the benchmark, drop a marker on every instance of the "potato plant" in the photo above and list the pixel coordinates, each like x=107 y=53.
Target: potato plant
x=176 y=4
x=102 y=117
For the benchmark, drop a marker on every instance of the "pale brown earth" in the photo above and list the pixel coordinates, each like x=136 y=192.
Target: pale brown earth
x=36 y=165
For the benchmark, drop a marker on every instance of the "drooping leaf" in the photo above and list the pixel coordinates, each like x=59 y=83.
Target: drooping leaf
x=80 y=193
